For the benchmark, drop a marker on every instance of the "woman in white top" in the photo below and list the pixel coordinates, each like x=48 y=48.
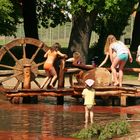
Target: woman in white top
x=138 y=55
x=138 y=59
x=122 y=54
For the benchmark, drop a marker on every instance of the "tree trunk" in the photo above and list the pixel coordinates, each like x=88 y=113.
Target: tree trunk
x=81 y=33
x=136 y=32
x=30 y=20
x=30 y=23
x=31 y=30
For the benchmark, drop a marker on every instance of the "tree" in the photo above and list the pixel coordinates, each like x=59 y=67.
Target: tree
x=84 y=15
x=9 y=17
x=30 y=20
x=112 y=20
x=136 y=31
x=51 y=13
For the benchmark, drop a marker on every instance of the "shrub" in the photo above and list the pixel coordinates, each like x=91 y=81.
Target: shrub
x=103 y=132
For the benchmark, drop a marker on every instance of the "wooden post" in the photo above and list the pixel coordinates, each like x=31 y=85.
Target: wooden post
x=27 y=76
x=123 y=100
x=27 y=84
x=60 y=100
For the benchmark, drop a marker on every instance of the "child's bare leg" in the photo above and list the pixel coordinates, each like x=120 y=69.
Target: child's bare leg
x=91 y=116
x=53 y=80
x=86 y=114
x=54 y=74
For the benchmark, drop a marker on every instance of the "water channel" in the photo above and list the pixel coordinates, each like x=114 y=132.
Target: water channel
x=48 y=121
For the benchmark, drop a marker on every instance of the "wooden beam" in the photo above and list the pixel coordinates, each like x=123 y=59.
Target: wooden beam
x=129 y=69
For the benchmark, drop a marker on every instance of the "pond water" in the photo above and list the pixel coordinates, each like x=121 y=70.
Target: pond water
x=48 y=121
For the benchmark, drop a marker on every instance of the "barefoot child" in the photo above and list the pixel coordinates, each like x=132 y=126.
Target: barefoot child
x=89 y=100
x=51 y=56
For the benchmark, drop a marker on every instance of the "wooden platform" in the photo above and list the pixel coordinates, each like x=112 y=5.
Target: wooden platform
x=107 y=91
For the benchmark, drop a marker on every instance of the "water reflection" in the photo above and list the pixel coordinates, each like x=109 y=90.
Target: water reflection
x=45 y=120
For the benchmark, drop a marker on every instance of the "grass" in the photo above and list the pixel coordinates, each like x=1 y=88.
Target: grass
x=104 y=131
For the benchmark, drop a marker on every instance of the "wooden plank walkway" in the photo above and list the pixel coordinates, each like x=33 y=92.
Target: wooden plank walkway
x=108 y=91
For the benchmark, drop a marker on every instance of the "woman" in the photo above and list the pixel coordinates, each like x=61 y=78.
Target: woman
x=122 y=55
x=51 y=56
x=138 y=59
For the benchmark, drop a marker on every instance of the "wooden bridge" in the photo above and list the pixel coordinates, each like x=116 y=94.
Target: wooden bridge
x=25 y=71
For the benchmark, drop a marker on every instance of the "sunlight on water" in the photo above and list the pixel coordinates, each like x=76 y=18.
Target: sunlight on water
x=44 y=119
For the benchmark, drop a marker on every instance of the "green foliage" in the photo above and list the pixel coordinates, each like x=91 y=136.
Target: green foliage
x=87 y=5
x=114 y=17
x=8 y=18
x=104 y=132
x=50 y=13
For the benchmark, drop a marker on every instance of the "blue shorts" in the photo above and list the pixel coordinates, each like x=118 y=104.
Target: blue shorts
x=123 y=56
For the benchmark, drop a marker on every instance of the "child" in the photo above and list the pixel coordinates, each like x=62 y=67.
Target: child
x=76 y=59
x=106 y=52
x=138 y=59
x=122 y=55
x=51 y=56
x=138 y=55
x=89 y=100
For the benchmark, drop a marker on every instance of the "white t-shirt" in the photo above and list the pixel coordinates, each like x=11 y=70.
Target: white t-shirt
x=89 y=96
x=138 y=55
x=119 y=47
x=138 y=51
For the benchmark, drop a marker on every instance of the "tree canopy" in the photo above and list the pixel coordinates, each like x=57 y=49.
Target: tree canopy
x=9 y=17
x=102 y=16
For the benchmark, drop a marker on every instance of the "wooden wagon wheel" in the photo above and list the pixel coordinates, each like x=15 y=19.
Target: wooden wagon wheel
x=17 y=68
x=101 y=76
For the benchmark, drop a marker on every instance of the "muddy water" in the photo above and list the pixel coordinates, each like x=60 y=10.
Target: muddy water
x=48 y=121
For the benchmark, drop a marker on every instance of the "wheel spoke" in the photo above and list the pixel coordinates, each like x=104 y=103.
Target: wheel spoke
x=41 y=74
x=17 y=84
x=33 y=57
x=37 y=83
x=39 y=64
x=12 y=55
x=24 y=53
x=12 y=76
x=9 y=67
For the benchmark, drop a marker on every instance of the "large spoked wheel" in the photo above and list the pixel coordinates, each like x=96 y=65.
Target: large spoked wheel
x=13 y=62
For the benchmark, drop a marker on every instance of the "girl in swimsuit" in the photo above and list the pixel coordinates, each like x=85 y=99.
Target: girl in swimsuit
x=122 y=55
x=51 y=56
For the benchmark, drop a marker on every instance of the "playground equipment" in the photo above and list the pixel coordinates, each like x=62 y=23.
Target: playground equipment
x=24 y=73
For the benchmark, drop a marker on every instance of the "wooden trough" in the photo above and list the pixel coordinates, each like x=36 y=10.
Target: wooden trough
x=26 y=71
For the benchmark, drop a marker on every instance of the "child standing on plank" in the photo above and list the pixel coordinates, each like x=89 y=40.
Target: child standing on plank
x=51 y=56
x=89 y=100
x=122 y=55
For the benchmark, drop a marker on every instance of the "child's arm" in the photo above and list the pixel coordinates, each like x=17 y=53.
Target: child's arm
x=70 y=59
x=105 y=60
x=61 y=54
x=130 y=56
x=46 y=54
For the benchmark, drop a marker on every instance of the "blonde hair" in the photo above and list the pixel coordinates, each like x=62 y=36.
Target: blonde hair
x=110 y=39
x=76 y=55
